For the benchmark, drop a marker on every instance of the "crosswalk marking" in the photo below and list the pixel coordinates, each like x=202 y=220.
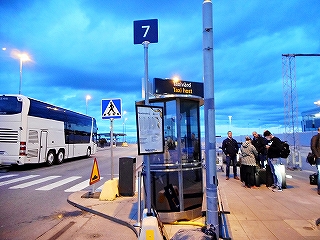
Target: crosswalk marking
x=27 y=181
x=57 y=184
x=7 y=176
x=79 y=186
x=28 y=184
x=17 y=179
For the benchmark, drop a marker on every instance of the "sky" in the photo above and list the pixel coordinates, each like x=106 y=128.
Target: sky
x=84 y=47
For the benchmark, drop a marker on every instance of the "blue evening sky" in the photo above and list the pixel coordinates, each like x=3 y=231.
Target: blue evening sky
x=81 y=47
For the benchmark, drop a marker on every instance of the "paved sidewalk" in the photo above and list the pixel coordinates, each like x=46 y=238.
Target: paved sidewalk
x=264 y=214
x=254 y=213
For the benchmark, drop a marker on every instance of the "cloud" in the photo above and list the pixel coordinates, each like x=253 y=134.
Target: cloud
x=84 y=47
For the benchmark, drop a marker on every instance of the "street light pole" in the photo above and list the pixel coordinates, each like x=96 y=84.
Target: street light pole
x=23 y=57
x=125 y=130
x=88 y=97
x=123 y=125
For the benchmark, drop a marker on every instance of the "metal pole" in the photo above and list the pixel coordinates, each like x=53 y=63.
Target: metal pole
x=146 y=158
x=86 y=106
x=138 y=224
x=111 y=146
x=20 y=75
x=209 y=117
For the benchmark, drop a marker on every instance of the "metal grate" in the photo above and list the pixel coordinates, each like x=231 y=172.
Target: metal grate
x=8 y=135
x=32 y=153
x=33 y=136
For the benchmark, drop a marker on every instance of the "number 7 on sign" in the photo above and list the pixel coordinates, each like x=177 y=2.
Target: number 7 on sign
x=147 y=30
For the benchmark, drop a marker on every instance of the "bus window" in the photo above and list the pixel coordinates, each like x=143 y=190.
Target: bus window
x=10 y=105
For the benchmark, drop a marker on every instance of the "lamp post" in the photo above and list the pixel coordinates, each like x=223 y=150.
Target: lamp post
x=123 y=125
x=230 y=122
x=23 y=58
x=88 y=97
x=125 y=130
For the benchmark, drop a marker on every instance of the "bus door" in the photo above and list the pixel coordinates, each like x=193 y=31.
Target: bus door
x=43 y=146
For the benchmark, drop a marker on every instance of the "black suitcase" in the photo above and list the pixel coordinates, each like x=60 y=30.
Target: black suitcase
x=313 y=179
x=269 y=177
x=262 y=176
x=257 y=182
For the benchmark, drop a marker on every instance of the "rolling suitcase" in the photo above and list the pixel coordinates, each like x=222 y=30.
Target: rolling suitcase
x=262 y=176
x=269 y=177
x=282 y=169
x=257 y=182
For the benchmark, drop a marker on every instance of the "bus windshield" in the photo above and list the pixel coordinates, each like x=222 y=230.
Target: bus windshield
x=10 y=105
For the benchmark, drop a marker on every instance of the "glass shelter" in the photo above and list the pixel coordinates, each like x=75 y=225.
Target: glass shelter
x=176 y=174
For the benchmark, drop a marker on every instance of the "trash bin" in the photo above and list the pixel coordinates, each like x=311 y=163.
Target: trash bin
x=127 y=176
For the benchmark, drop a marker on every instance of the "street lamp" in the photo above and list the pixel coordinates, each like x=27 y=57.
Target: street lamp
x=23 y=58
x=317 y=103
x=88 y=97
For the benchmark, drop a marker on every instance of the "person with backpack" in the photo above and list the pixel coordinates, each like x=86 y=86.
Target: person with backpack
x=315 y=148
x=274 y=148
x=260 y=143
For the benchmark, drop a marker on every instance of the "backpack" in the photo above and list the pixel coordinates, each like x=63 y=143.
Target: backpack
x=285 y=150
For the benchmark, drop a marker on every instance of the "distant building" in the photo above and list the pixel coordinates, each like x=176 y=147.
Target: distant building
x=104 y=139
x=310 y=120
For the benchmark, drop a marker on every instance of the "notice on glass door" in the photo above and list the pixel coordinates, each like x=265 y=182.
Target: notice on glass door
x=150 y=129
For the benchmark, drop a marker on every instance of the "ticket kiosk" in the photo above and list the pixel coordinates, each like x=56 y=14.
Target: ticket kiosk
x=176 y=175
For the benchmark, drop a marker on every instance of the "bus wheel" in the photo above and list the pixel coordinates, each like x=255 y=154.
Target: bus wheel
x=60 y=157
x=88 y=152
x=50 y=158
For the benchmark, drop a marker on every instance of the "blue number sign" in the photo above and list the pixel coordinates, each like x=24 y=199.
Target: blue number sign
x=145 y=30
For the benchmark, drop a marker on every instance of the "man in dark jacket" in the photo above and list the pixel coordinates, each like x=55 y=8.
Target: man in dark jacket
x=315 y=148
x=274 y=159
x=260 y=143
x=230 y=148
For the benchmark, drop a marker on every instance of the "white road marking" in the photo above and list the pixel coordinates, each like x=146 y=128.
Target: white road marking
x=7 y=176
x=34 y=182
x=79 y=186
x=17 y=179
x=58 y=184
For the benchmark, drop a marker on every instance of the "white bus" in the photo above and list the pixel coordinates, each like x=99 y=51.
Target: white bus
x=32 y=131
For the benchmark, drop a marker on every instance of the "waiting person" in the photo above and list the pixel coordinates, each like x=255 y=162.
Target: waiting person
x=230 y=149
x=170 y=143
x=196 y=148
x=315 y=148
x=248 y=163
x=260 y=143
x=274 y=159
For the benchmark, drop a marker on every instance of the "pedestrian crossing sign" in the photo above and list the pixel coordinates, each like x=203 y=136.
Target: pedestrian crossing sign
x=95 y=175
x=111 y=108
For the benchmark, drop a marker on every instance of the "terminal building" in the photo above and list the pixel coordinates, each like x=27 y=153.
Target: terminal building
x=310 y=120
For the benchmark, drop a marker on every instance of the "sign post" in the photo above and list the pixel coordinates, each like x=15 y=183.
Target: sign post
x=111 y=109
x=146 y=32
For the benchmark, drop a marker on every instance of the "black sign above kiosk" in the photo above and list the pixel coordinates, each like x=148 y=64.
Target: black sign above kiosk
x=170 y=86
